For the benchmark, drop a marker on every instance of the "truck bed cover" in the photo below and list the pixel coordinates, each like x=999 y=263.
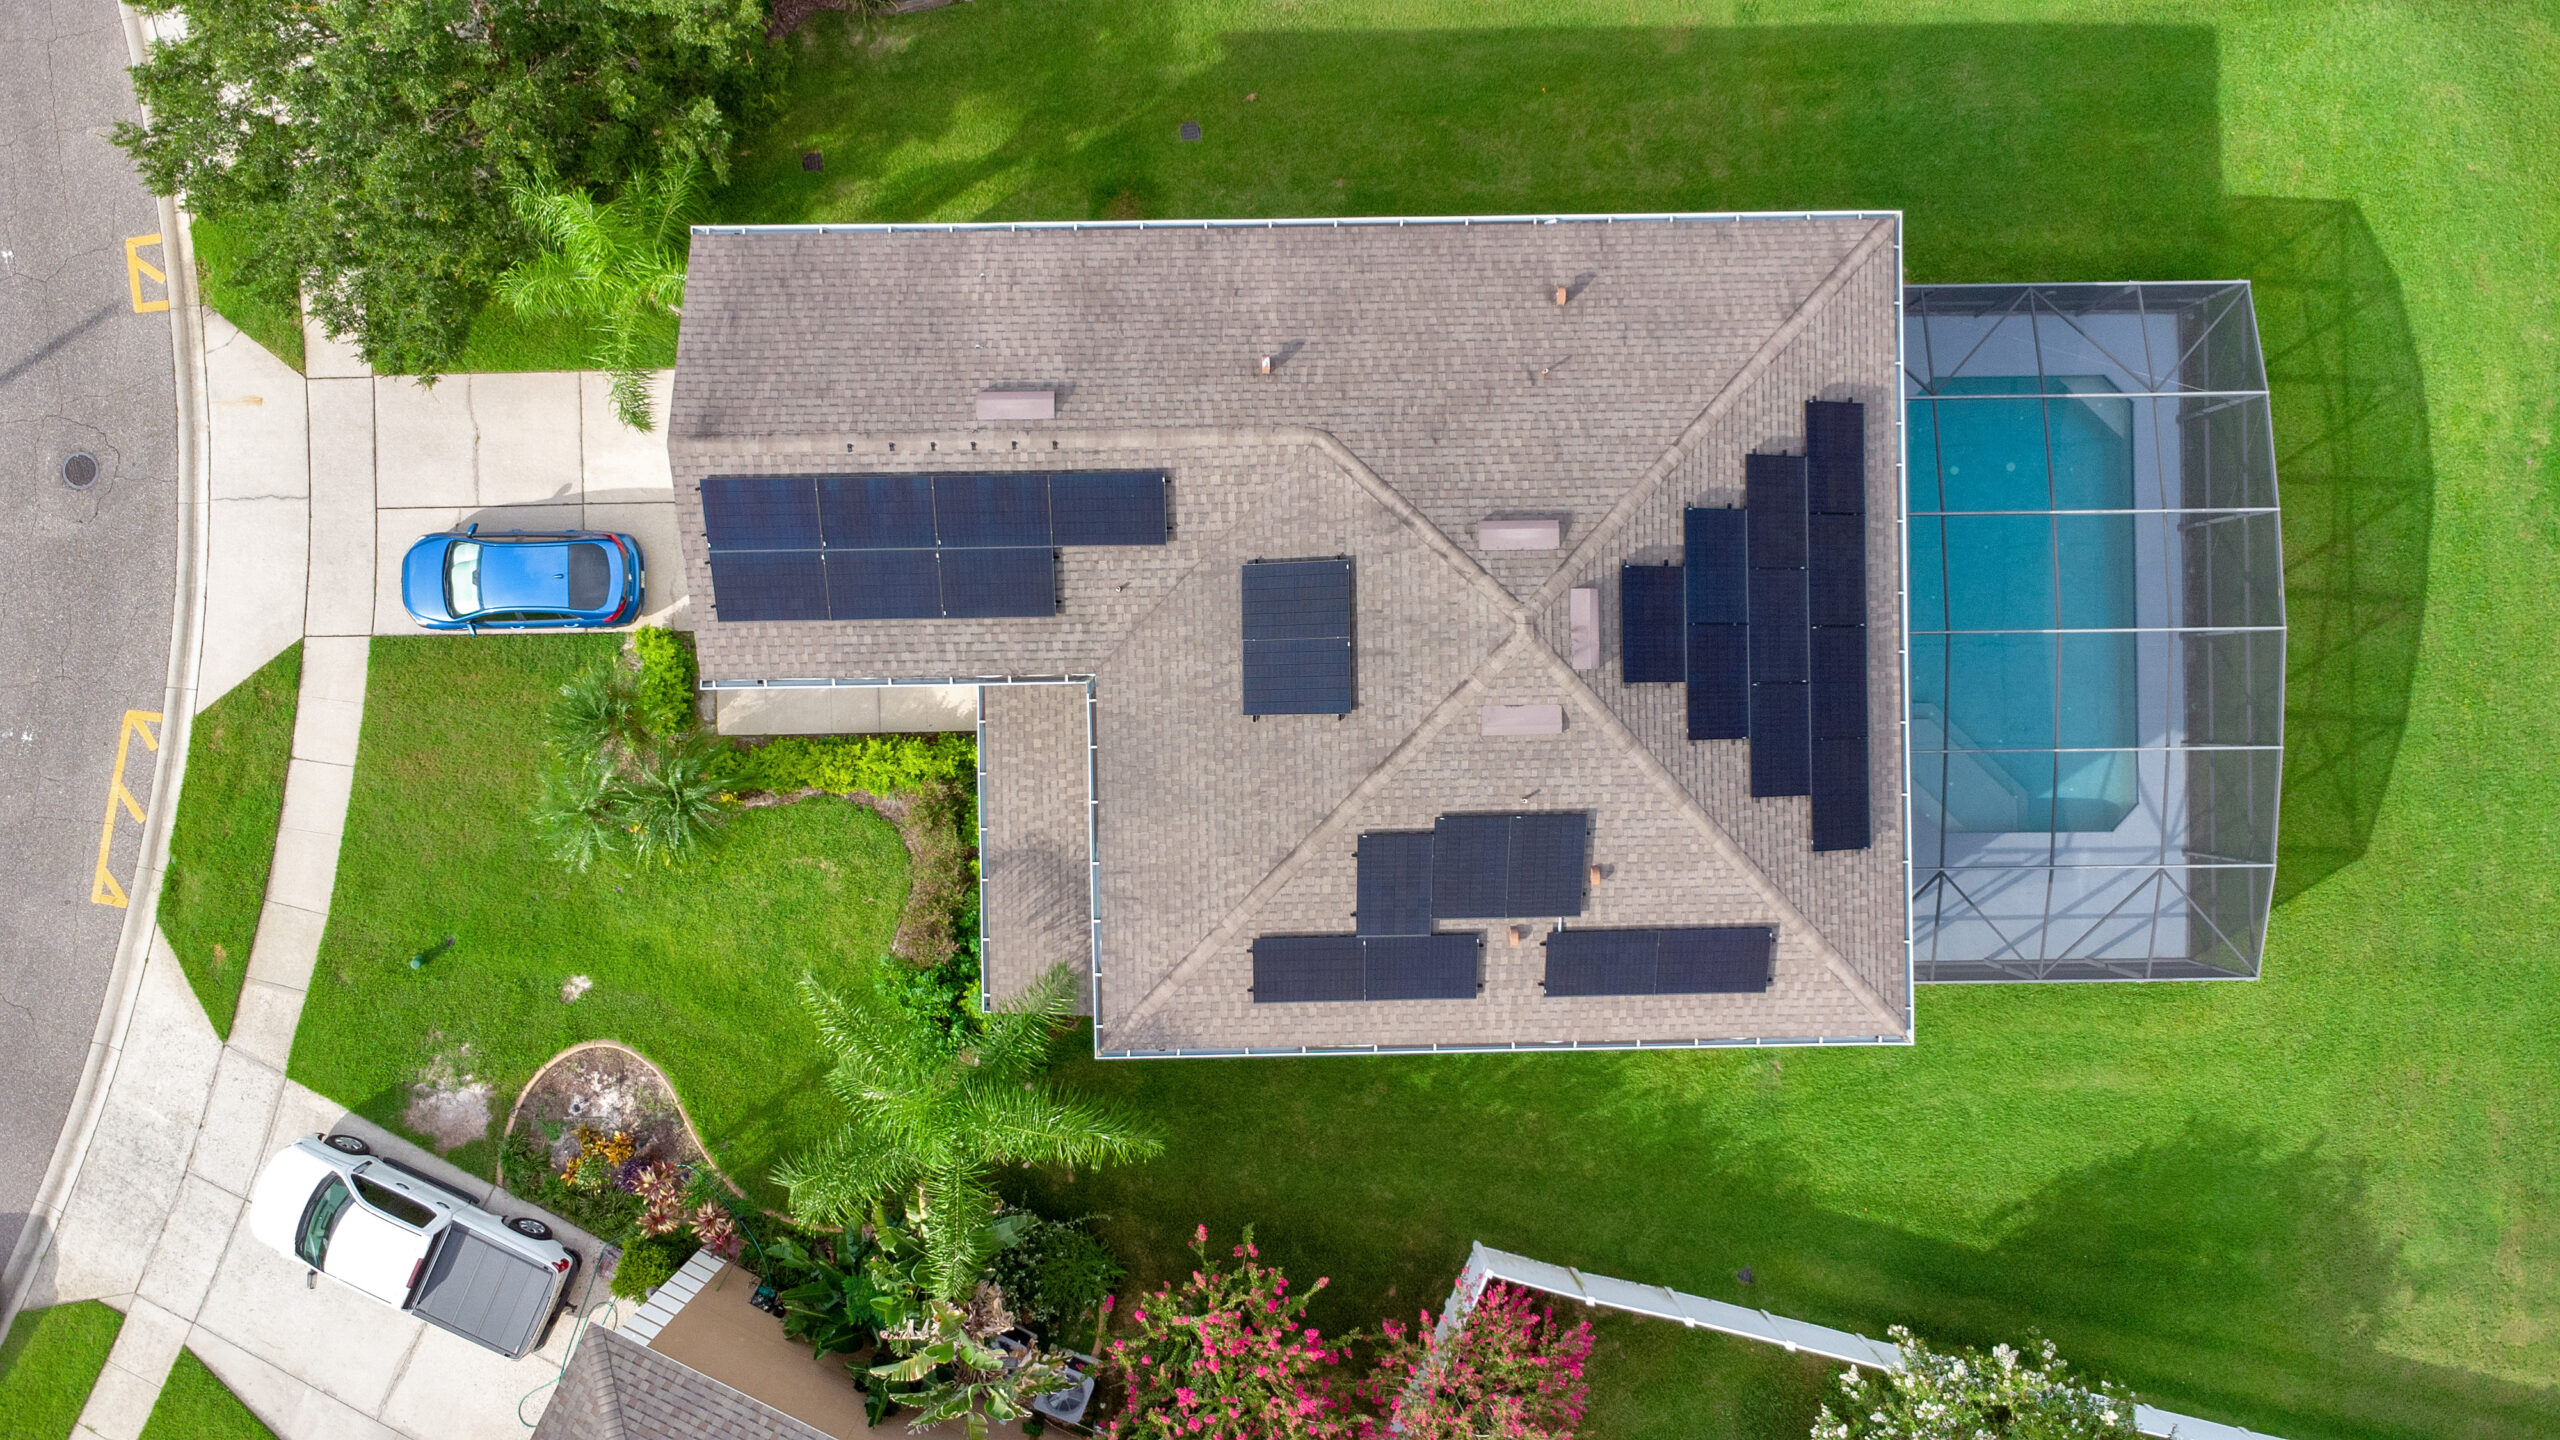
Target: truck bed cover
x=484 y=1292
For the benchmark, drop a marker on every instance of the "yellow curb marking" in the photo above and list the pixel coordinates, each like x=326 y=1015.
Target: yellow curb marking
x=135 y=268
x=103 y=889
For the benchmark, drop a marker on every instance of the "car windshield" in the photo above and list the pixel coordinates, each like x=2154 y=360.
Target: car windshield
x=320 y=1221
x=462 y=578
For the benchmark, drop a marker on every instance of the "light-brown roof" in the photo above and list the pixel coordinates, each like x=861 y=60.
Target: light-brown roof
x=1426 y=380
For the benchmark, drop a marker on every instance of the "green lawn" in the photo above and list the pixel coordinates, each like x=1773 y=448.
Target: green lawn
x=224 y=839
x=195 y=1405
x=694 y=966
x=49 y=1362
x=2321 y=1204
x=274 y=321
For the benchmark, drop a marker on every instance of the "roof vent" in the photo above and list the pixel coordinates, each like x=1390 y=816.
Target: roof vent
x=1524 y=719
x=1584 y=617
x=1017 y=404
x=1520 y=534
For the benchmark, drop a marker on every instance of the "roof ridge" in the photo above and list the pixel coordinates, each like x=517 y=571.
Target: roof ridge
x=1726 y=848
x=1278 y=877
x=1734 y=388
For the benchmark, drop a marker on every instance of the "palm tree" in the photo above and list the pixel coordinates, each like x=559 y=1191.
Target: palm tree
x=618 y=266
x=929 y=1123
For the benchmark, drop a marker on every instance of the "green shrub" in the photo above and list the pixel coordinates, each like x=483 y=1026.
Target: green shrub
x=1055 y=1280
x=609 y=1213
x=671 y=798
x=875 y=764
x=667 y=677
x=649 y=1262
x=597 y=710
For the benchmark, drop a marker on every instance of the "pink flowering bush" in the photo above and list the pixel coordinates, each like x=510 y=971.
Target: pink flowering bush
x=1511 y=1373
x=1226 y=1358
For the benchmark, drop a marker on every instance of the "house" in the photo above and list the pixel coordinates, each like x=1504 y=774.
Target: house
x=1432 y=635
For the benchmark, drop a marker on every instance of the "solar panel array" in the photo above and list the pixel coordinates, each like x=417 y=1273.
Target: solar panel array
x=913 y=547
x=1764 y=620
x=1499 y=865
x=1836 y=582
x=1717 y=960
x=1297 y=637
x=1303 y=968
x=1395 y=883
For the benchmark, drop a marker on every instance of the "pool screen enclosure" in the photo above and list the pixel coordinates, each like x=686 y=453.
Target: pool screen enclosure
x=2096 y=634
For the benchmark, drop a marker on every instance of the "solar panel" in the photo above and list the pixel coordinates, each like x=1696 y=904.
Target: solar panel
x=1841 y=796
x=1297 y=599
x=1836 y=569
x=1773 y=497
x=882 y=585
x=1777 y=626
x=760 y=512
x=1395 y=883
x=1835 y=453
x=974 y=511
x=1298 y=653
x=1013 y=582
x=876 y=512
x=1719 y=682
x=768 y=585
x=1781 y=743
x=1470 y=865
x=1550 y=863
x=1291 y=968
x=1600 y=962
x=1715 y=549
x=1649 y=609
x=1839 y=690
x=1723 y=960
x=1108 y=507
x=1422 y=967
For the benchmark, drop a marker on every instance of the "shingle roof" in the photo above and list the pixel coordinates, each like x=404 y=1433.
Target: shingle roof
x=1425 y=380
x=618 y=1389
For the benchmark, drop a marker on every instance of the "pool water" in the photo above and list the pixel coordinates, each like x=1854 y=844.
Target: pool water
x=2036 y=722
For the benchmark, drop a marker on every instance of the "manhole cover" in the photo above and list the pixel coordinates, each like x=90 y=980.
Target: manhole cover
x=80 y=470
x=1190 y=130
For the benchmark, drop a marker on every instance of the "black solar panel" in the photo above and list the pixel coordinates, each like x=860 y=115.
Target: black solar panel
x=1014 y=582
x=1290 y=968
x=1724 y=960
x=1835 y=452
x=1108 y=507
x=1836 y=569
x=1395 y=883
x=1649 y=611
x=882 y=585
x=1777 y=626
x=1298 y=654
x=1471 y=865
x=1549 y=864
x=1422 y=967
x=1716 y=551
x=1600 y=962
x=1773 y=497
x=1719 y=682
x=1841 y=797
x=1780 y=740
x=1839 y=690
x=995 y=511
x=768 y=585
x=876 y=512
x=761 y=512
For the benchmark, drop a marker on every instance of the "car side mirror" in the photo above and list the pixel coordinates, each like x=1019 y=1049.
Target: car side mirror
x=471 y=529
x=310 y=1279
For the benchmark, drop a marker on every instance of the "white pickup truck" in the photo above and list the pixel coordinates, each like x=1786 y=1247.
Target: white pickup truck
x=409 y=1241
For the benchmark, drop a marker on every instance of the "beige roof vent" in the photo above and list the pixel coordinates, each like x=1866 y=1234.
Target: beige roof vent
x=1017 y=404
x=1531 y=533
x=1524 y=719
x=1583 y=614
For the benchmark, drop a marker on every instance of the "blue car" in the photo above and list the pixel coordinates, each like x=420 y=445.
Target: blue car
x=464 y=580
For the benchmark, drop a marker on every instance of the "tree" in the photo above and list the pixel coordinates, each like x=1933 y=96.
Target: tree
x=618 y=265
x=371 y=144
x=929 y=1122
x=1230 y=1356
x=1967 y=1395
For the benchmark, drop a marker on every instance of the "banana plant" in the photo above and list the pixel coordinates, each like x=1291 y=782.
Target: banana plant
x=967 y=1379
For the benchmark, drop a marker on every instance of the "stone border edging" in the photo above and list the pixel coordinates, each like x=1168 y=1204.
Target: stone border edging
x=499 y=1169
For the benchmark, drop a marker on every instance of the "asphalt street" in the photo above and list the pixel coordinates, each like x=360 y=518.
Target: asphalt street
x=86 y=575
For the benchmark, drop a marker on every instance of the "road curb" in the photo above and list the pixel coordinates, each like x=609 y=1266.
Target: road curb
x=177 y=709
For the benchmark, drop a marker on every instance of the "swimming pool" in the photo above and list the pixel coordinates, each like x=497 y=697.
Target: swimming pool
x=2023 y=675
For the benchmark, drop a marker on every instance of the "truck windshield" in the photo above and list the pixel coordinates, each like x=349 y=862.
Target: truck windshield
x=462 y=578
x=320 y=1221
